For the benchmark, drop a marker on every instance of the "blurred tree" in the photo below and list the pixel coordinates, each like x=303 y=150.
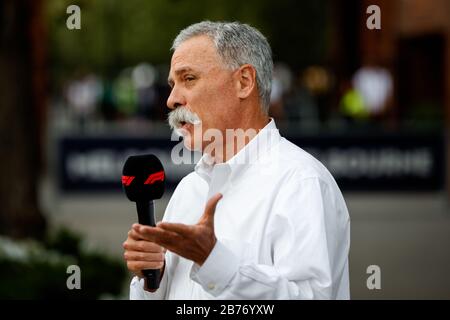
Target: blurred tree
x=298 y=31
x=116 y=34
x=21 y=108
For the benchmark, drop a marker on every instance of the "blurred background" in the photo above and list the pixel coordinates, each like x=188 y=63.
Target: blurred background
x=372 y=104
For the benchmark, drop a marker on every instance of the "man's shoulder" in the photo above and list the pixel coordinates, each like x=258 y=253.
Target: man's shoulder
x=293 y=159
x=298 y=167
x=189 y=180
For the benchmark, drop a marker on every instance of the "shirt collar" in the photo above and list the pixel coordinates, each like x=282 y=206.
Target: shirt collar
x=266 y=138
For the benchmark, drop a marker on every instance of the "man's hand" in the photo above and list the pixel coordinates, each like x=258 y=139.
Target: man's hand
x=142 y=254
x=193 y=242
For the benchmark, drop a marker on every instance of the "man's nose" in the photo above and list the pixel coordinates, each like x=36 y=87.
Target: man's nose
x=176 y=99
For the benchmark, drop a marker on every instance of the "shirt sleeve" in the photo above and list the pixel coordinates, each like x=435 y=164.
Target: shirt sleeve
x=309 y=242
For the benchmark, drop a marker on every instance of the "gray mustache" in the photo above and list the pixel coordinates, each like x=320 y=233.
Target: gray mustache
x=182 y=114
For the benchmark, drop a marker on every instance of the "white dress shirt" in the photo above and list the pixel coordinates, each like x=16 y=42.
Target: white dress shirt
x=282 y=228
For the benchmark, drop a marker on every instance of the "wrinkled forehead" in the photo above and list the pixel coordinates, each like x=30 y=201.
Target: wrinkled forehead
x=197 y=52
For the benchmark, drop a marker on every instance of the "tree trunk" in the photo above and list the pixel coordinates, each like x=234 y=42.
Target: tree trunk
x=22 y=101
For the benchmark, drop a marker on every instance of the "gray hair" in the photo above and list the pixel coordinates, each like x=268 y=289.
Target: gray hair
x=237 y=44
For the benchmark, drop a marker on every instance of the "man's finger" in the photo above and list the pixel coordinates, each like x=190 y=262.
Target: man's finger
x=180 y=228
x=158 y=235
x=143 y=256
x=133 y=234
x=210 y=208
x=142 y=245
x=136 y=234
x=137 y=266
x=148 y=233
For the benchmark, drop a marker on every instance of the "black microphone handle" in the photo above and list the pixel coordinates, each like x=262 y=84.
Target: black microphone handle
x=146 y=216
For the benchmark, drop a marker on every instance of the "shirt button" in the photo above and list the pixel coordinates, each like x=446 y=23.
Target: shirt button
x=211 y=286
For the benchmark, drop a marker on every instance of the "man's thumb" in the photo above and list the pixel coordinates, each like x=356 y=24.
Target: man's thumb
x=210 y=208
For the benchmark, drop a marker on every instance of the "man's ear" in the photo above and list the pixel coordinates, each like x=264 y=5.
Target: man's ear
x=246 y=80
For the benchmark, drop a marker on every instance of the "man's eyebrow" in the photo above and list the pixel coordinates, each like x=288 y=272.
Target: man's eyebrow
x=178 y=72
x=183 y=69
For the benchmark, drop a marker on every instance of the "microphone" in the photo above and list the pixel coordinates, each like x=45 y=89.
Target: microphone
x=143 y=181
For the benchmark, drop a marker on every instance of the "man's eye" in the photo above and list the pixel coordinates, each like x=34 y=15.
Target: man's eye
x=189 y=78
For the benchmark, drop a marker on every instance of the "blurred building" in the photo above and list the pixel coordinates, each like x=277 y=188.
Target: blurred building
x=413 y=44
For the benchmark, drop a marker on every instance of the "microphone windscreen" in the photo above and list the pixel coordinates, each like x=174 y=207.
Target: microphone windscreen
x=143 y=178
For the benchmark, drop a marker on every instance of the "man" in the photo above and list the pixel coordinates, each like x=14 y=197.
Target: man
x=259 y=218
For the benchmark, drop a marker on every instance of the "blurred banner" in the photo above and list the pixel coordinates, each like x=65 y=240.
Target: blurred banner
x=366 y=163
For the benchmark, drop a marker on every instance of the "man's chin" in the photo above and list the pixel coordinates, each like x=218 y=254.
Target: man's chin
x=190 y=143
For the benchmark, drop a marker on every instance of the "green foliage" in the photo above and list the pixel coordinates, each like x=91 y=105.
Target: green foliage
x=426 y=114
x=298 y=31
x=33 y=270
x=115 y=34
